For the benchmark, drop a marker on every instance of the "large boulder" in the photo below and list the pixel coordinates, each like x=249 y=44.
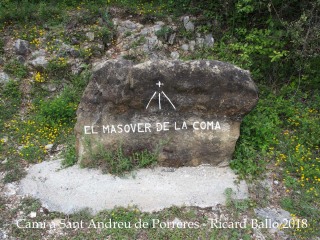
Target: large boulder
x=188 y=113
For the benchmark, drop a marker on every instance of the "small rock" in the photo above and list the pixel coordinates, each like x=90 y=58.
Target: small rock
x=276 y=182
x=90 y=36
x=275 y=215
x=48 y=146
x=159 y=23
x=130 y=25
x=188 y=25
x=21 y=47
x=39 y=63
x=139 y=26
x=185 y=47
x=78 y=67
x=50 y=87
x=59 y=147
x=4 y=78
x=38 y=53
x=74 y=53
x=145 y=31
x=115 y=21
x=33 y=214
x=121 y=31
x=199 y=42
x=153 y=42
x=174 y=55
x=3 y=235
x=209 y=40
x=192 y=45
x=10 y=189
x=21 y=59
x=100 y=47
x=157 y=28
x=172 y=38
x=74 y=41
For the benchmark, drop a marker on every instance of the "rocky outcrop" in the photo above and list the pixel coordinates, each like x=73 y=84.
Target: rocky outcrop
x=188 y=113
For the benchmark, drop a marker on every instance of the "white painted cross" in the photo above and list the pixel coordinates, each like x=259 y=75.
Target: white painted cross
x=159 y=97
x=159 y=84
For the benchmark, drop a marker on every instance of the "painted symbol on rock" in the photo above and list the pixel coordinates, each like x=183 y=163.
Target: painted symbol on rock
x=159 y=84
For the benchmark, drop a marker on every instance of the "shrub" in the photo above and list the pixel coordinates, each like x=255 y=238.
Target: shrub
x=59 y=110
x=118 y=162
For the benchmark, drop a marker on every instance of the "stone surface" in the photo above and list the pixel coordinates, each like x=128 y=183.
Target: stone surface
x=40 y=52
x=275 y=217
x=174 y=55
x=188 y=113
x=172 y=38
x=209 y=40
x=71 y=189
x=188 y=25
x=199 y=42
x=130 y=25
x=50 y=87
x=48 y=146
x=152 y=43
x=21 y=59
x=4 y=78
x=39 y=63
x=192 y=45
x=90 y=36
x=185 y=47
x=21 y=47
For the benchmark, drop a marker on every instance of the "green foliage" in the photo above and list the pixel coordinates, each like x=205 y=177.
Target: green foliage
x=69 y=152
x=258 y=133
x=16 y=68
x=1 y=46
x=283 y=131
x=29 y=204
x=58 y=68
x=58 y=110
x=50 y=12
x=14 y=173
x=106 y=35
x=10 y=101
x=118 y=162
x=259 y=50
x=32 y=153
x=31 y=11
x=141 y=40
x=164 y=33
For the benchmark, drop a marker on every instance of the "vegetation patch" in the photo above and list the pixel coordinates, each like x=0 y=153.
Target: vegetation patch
x=119 y=161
